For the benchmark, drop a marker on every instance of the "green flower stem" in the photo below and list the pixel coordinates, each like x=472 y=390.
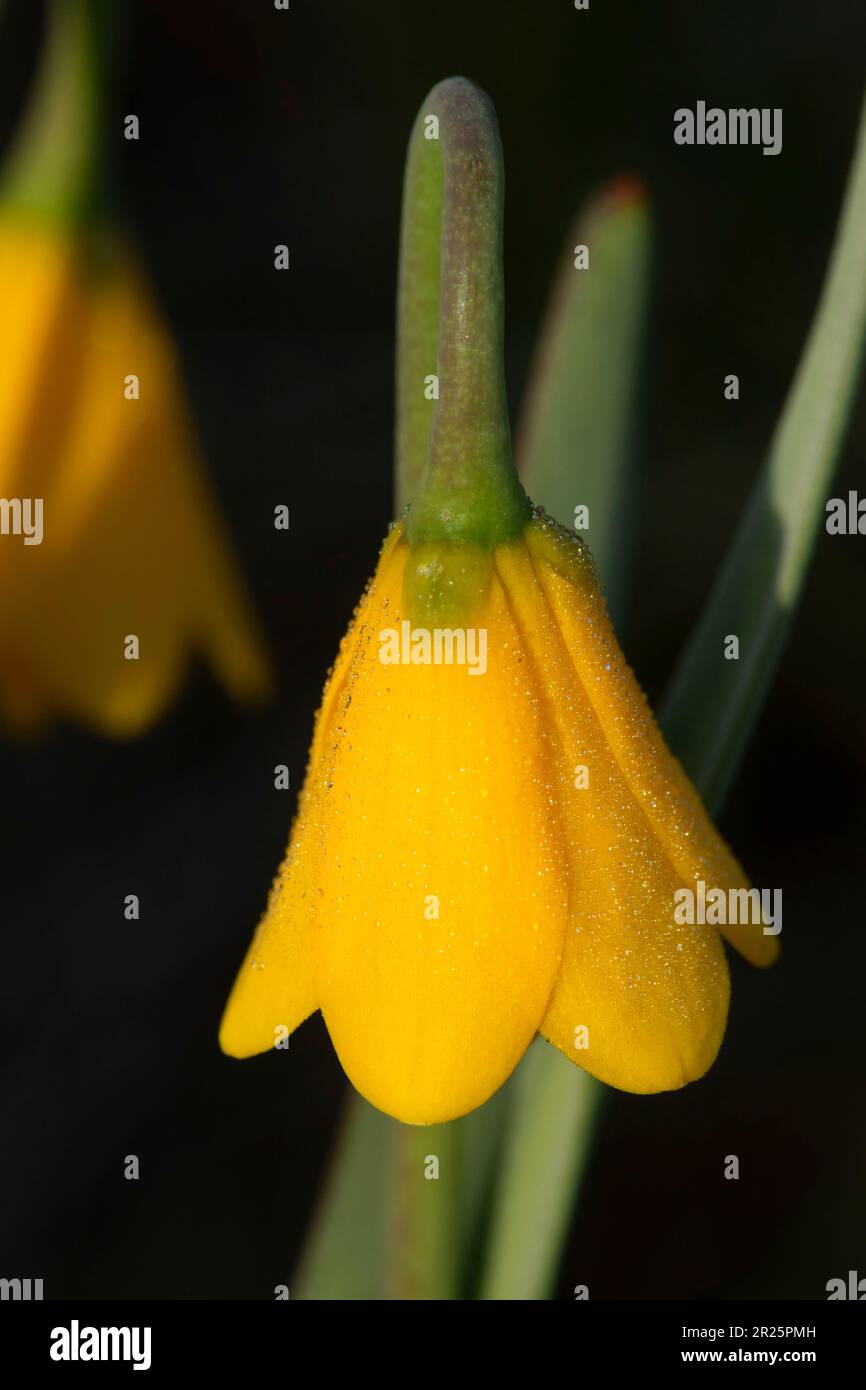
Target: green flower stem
x=546 y=1152
x=712 y=704
x=469 y=491
x=390 y=1225
x=417 y=311
x=352 y=1250
x=55 y=171
x=423 y=1238
x=345 y=1254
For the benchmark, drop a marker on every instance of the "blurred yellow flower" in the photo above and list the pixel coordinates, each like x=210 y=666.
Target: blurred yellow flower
x=490 y=848
x=113 y=564
x=131 y=544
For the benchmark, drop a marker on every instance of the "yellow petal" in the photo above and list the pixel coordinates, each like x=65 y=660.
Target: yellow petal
x=666 y=795
x=444 y=869
x=109 y=565
x=42 y=315
x=275 y=987
x=132 y=544
x=639 y=1002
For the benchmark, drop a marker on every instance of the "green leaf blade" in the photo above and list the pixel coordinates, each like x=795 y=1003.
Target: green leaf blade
x=577 y=441
x=712 y=704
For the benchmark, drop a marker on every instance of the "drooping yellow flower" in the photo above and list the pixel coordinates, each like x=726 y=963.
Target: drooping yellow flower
x=451 y=888
x=108 y=535
x=131 y=543
x=493 y=839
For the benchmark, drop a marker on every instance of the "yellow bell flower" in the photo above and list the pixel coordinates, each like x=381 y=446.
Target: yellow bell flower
x=132 y=544
x=108 y=535
x=451 y=888
x=492 y=833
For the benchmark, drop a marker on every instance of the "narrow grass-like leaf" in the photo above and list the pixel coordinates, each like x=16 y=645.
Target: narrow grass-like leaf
x=549 y=1142
x=346 y=1250
x=576 y=444
x=349 y=1249
x=383 y=1228
x=423 y=1250
x=713 y=703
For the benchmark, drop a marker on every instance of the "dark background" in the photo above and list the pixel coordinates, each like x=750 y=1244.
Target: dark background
x=259 y=127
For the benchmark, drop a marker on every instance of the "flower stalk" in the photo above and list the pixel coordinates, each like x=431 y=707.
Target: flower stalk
x=423 y=1250
x=468 y=490
x=56 y=171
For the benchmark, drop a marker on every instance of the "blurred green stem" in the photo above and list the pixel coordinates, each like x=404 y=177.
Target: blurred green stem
x=56 y=168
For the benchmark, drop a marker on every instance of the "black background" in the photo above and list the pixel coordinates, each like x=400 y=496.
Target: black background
x=259 y=127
